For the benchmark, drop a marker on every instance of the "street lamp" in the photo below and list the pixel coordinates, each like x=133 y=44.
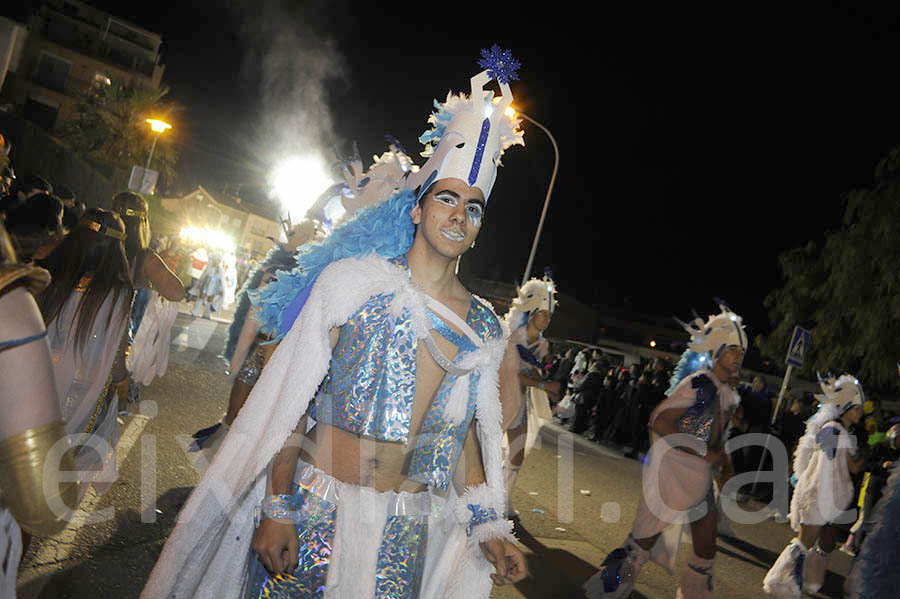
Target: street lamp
x=512 y=113
x=158 y=127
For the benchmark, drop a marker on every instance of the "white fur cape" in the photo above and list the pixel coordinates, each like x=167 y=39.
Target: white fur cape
x=206 y=552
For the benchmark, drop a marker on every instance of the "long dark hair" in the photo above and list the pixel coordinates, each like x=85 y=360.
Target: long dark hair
x=134 y=212
x=87 y=252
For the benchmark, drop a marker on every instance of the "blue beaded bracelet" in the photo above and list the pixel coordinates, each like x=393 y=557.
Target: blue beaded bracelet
x=480 y=515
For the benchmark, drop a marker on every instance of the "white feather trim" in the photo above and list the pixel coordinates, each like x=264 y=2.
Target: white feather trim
x=458 y=402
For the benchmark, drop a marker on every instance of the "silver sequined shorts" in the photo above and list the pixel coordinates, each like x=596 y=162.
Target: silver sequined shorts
x=252 y=366
x=329 y=514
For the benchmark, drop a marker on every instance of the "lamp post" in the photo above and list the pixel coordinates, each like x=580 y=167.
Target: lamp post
x=510 y=112
x=158 y=127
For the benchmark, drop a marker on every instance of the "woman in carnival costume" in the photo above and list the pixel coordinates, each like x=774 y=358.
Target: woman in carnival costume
x=687 y=434
x=823 y=462
x=378 y=482
x=86 y=308
x=527 y=320
x=31 y=427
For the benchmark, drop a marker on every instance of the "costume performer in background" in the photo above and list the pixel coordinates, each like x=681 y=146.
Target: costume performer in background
x=394 y=361
x=687 y=434
x=245 y=346
x=208 y=287
x=823 y=462
x=30 y=419
x=528 y=318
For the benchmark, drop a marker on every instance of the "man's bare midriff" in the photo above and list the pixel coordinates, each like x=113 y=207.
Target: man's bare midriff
x=369 y=462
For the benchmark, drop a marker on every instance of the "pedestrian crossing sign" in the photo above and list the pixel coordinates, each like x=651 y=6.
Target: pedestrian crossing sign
x=798 y=347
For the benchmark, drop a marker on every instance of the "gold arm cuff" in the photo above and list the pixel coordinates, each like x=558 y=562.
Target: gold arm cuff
x=25 y=492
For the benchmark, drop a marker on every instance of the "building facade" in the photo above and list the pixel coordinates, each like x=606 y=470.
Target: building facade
x=67 y=47
x=252 y=233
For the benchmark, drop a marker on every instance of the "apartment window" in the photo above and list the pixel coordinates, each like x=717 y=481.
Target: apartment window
x=41 y=112
x=53 y=72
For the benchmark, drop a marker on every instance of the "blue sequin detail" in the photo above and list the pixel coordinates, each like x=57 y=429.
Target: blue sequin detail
x=463 y=343
x=370 y=387
x=315 y=534
x=479 y=151
x=499 y=64
x=439 y=441
x=698 y=418
x=612 y=567
x=401 y=558
x=480 y=515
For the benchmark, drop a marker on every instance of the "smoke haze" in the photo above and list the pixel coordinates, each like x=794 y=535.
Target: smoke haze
x=290 y=61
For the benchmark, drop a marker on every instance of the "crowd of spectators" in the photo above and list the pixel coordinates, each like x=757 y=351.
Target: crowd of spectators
x=610 y=403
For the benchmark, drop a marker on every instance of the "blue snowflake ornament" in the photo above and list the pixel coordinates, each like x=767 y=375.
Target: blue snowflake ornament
x=499 y=64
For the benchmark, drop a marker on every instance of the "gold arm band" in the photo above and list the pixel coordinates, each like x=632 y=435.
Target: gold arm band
x=25 y=492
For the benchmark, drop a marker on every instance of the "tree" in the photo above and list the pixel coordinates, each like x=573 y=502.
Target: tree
x=847 y=289
x=110 y=127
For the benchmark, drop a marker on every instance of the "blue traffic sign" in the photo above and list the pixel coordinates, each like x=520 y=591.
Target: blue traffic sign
x=797 y=349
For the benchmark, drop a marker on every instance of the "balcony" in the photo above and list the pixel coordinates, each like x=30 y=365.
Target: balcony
x=85 y=38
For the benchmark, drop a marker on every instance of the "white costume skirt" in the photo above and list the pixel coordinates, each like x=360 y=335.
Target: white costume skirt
x=354 y=542
x=676 y=489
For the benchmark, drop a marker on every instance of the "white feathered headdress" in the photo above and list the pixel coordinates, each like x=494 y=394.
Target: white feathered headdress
x=844 y=392
x=716 y=333
x=470 y=133
x=534 y=295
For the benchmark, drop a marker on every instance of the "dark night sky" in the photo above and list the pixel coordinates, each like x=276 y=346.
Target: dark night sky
x=695 y=146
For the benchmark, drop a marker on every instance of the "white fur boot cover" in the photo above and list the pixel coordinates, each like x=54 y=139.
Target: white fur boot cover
x=784 y=579
x=618 y=572
x=696 y=579
x=814 y=570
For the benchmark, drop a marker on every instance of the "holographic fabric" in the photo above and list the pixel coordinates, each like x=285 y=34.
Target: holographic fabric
x=480 y=515
x=401 y=558
x=253 y=364
x=315 y=533
x=698 y=418
x=440 y=442
x=371 y=384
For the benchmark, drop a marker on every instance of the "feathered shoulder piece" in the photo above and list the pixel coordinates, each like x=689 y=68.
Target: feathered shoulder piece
x=385 y=229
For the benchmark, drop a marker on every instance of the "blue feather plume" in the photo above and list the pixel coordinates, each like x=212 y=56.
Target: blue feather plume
x=689 y=363
x=385 y=229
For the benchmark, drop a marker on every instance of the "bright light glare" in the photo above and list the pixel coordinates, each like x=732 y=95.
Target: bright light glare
x=211 y=238
x=510 y=112
x=158 y=126
x=297 y=183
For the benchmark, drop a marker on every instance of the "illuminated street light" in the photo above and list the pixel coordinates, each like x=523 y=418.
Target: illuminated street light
x=513 y=114
x=158 y=127
x=652 y=343
x=298 y=181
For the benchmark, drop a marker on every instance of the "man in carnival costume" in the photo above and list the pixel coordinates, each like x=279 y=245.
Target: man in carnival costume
x=824 y=460
x=528 y=318
x=385 y=375
x=687 y=434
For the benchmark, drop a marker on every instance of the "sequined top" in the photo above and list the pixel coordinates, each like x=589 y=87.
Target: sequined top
x=699 y=418
x=370 y=387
